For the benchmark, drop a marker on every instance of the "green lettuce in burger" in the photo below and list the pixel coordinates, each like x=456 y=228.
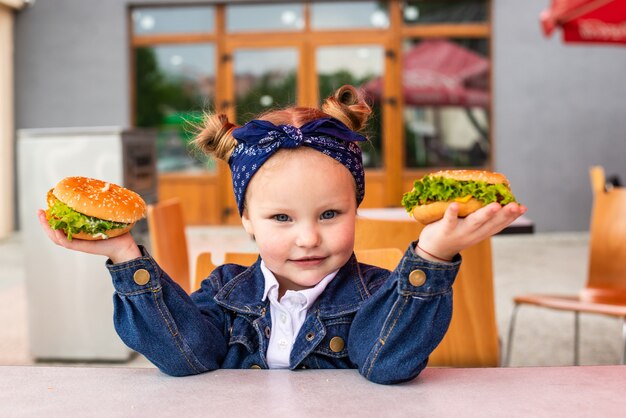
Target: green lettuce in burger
x=472 y=189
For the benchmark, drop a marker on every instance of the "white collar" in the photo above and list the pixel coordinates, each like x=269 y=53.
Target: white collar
x=311 y=294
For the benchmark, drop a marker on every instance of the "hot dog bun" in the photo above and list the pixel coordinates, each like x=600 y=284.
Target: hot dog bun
x=471 y=189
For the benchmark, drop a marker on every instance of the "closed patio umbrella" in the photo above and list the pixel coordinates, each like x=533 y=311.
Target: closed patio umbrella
x=438 y=72
x=587 y=21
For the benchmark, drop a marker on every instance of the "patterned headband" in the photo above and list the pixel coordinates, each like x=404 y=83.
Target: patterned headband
x=258 y=140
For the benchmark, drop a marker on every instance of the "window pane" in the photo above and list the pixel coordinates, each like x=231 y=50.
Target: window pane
x=345 y=15
x=360 y=66
x=273 y=17
x=446 y=94
x=264 y=80
x=174 y=85
x=420 y=12
x=151 y=20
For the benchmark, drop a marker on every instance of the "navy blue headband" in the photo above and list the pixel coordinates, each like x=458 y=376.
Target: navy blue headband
x=258 y=140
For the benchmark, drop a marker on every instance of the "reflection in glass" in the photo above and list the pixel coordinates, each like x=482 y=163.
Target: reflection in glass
x=357 y=66
x=445 y=84
x=348 y=15
x=420 y=12
x=174 y=85
x=268 y=17
x=158 y=20
x=264 y=80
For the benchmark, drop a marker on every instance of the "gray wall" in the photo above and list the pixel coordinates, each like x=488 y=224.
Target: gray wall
x=71 y=64
x=557 y=108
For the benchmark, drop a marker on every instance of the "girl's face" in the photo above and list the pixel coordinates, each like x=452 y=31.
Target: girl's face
x=301 y=209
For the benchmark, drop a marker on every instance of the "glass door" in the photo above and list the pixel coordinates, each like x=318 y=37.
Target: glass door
x=264 y=79
x=359 y=66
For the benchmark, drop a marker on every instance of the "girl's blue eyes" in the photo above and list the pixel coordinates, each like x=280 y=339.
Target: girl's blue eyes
x=329 y=214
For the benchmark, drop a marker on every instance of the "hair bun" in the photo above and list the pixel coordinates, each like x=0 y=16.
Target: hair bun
x=347 y=95
x=215 y=137
x=348 y=105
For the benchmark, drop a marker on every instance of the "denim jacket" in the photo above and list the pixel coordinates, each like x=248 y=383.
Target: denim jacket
x=367 y=318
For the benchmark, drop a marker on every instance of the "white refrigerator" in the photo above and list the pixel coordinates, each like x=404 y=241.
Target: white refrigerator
x=69 y=294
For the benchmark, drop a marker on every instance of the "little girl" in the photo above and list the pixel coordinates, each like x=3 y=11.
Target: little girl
x=307 y=302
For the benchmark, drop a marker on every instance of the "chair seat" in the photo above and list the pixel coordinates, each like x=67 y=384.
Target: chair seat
x=571 y=303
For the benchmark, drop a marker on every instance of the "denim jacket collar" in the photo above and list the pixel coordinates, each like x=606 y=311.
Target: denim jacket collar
x=344 y=294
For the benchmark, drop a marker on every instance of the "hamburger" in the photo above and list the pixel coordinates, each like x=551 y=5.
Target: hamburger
x=91 y=209
x=471 y=189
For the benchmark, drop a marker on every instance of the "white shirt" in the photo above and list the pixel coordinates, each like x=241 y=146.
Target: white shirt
x=287 y=315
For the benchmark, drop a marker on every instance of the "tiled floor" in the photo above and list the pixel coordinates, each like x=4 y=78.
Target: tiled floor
x=522 y=263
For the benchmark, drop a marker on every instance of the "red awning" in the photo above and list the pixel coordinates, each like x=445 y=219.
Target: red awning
x=441 y=73
x=599 y=21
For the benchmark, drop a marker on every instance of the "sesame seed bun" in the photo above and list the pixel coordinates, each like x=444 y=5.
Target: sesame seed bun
x=93 y=197
x=432 y=212
x=98 y=199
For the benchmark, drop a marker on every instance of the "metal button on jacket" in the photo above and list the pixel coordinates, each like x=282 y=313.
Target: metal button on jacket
x=336 y=344
x=417 y=277
x=141 y=277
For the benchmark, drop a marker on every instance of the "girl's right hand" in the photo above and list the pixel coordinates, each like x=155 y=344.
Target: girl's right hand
x=118 y=249
x=448 y=236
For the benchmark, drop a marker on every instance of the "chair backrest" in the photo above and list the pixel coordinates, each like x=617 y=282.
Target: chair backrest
x=598 y=179
x=244 y=259
x=387 y=258
x=472 y=338
x=383 y=233
x=168 y=241
x=205 y=264
x=606 y=282
x=204 y=267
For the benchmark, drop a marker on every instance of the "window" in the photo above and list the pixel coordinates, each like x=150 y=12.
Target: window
x=445 y=87
x=265 y=79
x=158 y=20
x=174 y=81
x=267 y=17
x=349 y=15
x=424 y=12
x=360 y=66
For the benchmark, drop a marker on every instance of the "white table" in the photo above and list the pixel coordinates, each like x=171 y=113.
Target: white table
x=590 y=391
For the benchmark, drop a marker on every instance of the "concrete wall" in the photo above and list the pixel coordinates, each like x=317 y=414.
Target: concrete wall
x=557 y=108
x=72 y=64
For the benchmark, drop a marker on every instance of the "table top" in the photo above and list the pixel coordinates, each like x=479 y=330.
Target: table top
x=27 y=391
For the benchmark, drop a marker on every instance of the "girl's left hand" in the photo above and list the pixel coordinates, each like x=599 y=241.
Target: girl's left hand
x=451 y=234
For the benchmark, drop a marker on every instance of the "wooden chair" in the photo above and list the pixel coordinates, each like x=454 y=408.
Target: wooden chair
x=472 y=338
x=605 y=290
x=168 y=241
x=245 y=259
x=386 y=257
x=204 y=267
